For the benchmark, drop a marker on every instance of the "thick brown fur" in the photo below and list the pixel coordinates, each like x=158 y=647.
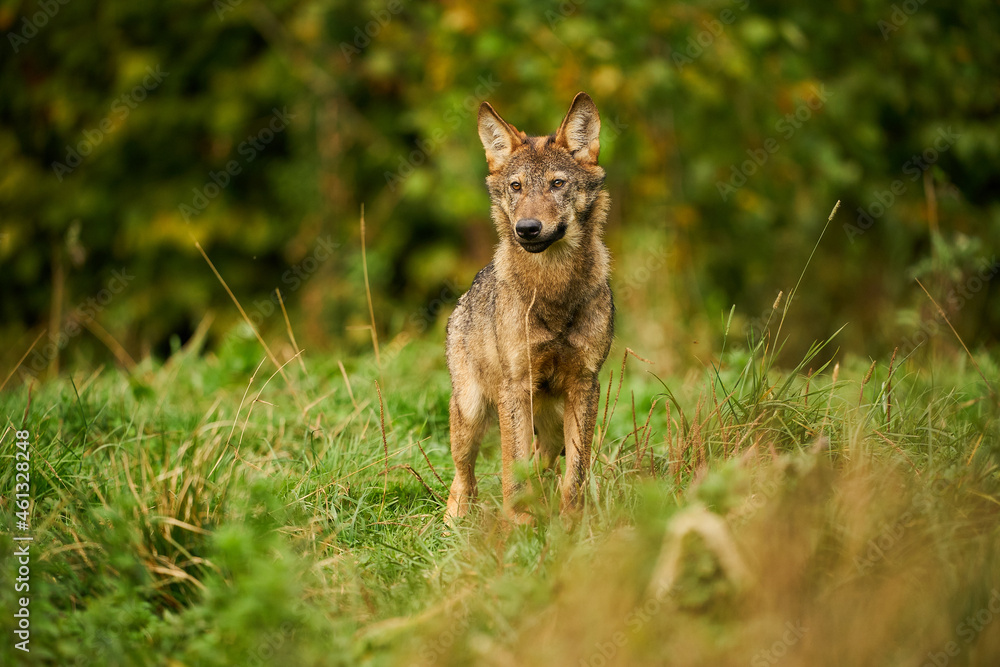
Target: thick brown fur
x=528 y=339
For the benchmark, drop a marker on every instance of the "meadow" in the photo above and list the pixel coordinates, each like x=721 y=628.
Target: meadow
x=224 y=403
x=214 y=509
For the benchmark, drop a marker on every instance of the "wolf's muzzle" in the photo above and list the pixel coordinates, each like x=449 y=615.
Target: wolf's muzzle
x=528 y=228
x=529 y=231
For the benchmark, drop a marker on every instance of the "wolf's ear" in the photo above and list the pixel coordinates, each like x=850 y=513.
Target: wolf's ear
x=499 y=139
x=580 y=130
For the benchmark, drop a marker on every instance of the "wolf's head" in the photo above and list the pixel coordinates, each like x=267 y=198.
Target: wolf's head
x=544 y=188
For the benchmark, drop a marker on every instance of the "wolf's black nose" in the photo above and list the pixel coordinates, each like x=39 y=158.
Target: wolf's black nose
x=528 y=228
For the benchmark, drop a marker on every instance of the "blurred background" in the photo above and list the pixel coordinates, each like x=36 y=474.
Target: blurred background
x=130 y=131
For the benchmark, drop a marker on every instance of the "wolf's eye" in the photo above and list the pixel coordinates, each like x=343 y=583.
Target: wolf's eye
x=558 y=183
x=515 y=185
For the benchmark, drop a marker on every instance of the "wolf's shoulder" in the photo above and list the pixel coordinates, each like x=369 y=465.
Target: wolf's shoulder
x=480 y=297
x=485 y=279
x=483 y=289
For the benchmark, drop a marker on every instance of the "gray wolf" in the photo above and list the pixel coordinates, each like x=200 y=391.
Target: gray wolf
x=527 y=341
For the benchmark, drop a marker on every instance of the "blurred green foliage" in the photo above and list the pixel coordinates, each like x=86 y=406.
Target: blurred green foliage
x=131 y=130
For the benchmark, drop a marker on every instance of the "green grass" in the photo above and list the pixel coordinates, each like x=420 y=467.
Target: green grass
x=209 y=512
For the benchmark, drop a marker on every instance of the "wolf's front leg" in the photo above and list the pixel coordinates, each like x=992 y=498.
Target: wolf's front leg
x=467 y=426
x=579 y=419
x=515 y=447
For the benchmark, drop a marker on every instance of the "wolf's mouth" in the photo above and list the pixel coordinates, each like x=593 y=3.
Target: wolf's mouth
x=540 y=245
